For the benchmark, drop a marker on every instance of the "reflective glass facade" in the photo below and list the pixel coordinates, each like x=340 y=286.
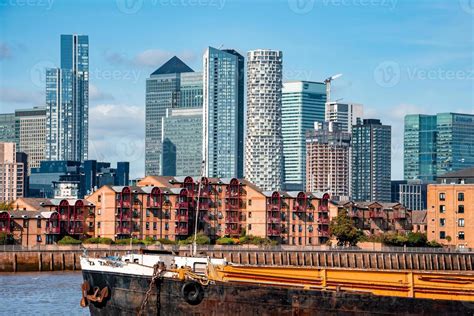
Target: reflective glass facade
x=223 y=113
x=173 y=85
x=7 y=128
x=67 y=102
x=303 y=104
x=182 y=142
x=371 y=161
x=437 y=144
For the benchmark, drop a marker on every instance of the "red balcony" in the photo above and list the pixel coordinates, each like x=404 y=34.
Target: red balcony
x=53 y=230
x=323 y=220
x=232 y=206
x=323 y=233
x=298 y=207
x=154 y=204
x=377 y=214
x=4 y=229
x=399 y=215
x=124 y=203
x=355 y=214
x=182 y=205
x=123 y=230
x=76 y=230
x=273 y=232
x=231 y=219
x=232 y=193
x=64 y=217
x=126 y=216
x=323 y=209
x=274 y=220
x=181 y=230
x=182 y=218
x=232 y=231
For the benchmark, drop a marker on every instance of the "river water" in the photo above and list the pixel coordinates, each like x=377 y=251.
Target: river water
x=56 y=293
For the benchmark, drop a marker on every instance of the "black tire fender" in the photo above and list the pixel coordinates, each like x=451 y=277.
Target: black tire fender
x=192 y=292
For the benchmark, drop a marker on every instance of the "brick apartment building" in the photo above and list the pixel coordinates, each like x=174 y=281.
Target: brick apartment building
x=451 y=209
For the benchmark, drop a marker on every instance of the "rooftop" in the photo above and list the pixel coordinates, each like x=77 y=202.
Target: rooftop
x=172 y=66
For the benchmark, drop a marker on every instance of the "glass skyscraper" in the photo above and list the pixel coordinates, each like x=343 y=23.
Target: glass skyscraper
x=173 y=85
x=303 y=104
x=7 y=128
x=223 y=113
x=371 y=161
x=67 y=102
x=437 y=144
x=182 y=142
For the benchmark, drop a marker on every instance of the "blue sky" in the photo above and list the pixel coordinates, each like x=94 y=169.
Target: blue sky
x=397 y=56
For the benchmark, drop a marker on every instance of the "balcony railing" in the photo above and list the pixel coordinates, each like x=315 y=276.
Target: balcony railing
x=399 y=214
x=181 y=230
x=231 y=206
x=124 y=203
x=5 y=229
x=377 y=214
x=231 y=219
x=53 y=230
x=182 y=205
x=323 y=220
x=355 y=213
x=275 y=220
x=232 y=231
x=182 y=218
x=323 y=209
x=298 y=207
x=76 y=230
x=123 y=230
x=323 y=233
x=273 y=232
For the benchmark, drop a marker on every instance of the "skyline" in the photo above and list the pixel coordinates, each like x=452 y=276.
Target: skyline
x=120 y=61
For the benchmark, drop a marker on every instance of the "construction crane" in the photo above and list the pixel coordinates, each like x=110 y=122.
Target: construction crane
x=328 y=86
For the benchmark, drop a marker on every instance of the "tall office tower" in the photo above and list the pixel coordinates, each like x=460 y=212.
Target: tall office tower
x=182 y=142
x=303 y=104
x=67 y=102
x=173 y=85
x=31 y=132
x=264 y=141
x=371 y=161
x=223 y=113
x=7 y=128
x=437 y=144
x=344 y=113
x=328 y=160
x=12 y=173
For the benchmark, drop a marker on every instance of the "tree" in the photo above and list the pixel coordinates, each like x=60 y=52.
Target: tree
x=6 y=206
x=344 y=230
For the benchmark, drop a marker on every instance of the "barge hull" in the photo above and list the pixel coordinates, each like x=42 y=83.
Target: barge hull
x=128 y=291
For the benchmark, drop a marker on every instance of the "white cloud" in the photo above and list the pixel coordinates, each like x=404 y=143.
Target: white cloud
x=96 y=94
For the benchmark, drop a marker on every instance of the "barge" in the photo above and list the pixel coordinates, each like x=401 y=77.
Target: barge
x=164 y=284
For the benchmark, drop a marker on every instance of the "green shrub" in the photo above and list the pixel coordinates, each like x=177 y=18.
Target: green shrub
x=201 y=239
x=68 y=240
x=126 y=241
x=98 y=240
x=259 y=241
x=434 y=244
x=165 y=241
x=226 y=241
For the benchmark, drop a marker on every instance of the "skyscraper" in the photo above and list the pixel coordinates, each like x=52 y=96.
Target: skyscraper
x=67 y=102
x=344 y=113
x=173 y=85
x=327 y=160
x=303 y=104
x=11 y=173
x=223 y=113
x=31 y=133
x=7 y=128
x=371 y=161
x=182 y=142
x=264 y=141
x=437 y=144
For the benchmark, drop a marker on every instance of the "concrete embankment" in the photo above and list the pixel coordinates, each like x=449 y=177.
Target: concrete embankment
x=67 y=258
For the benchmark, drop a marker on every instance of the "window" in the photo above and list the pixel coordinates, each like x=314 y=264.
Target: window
x=299 y=240
x=250 y=202
x=460 y=196
x=250 y=226
x=154 y=225
x=250 y=214
x=98 y=224
x=99 y=198
x=442 y=197
x=460 y=209
x=442 y=208
x=147 y=213
x=461 y=235
x=167 y=226
x=38 y=238
x=461 y=222
x=38 y=223
x=310 y=240
x=442 y=222
x=442 y=235
x=293 y=228
x=25 y=223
